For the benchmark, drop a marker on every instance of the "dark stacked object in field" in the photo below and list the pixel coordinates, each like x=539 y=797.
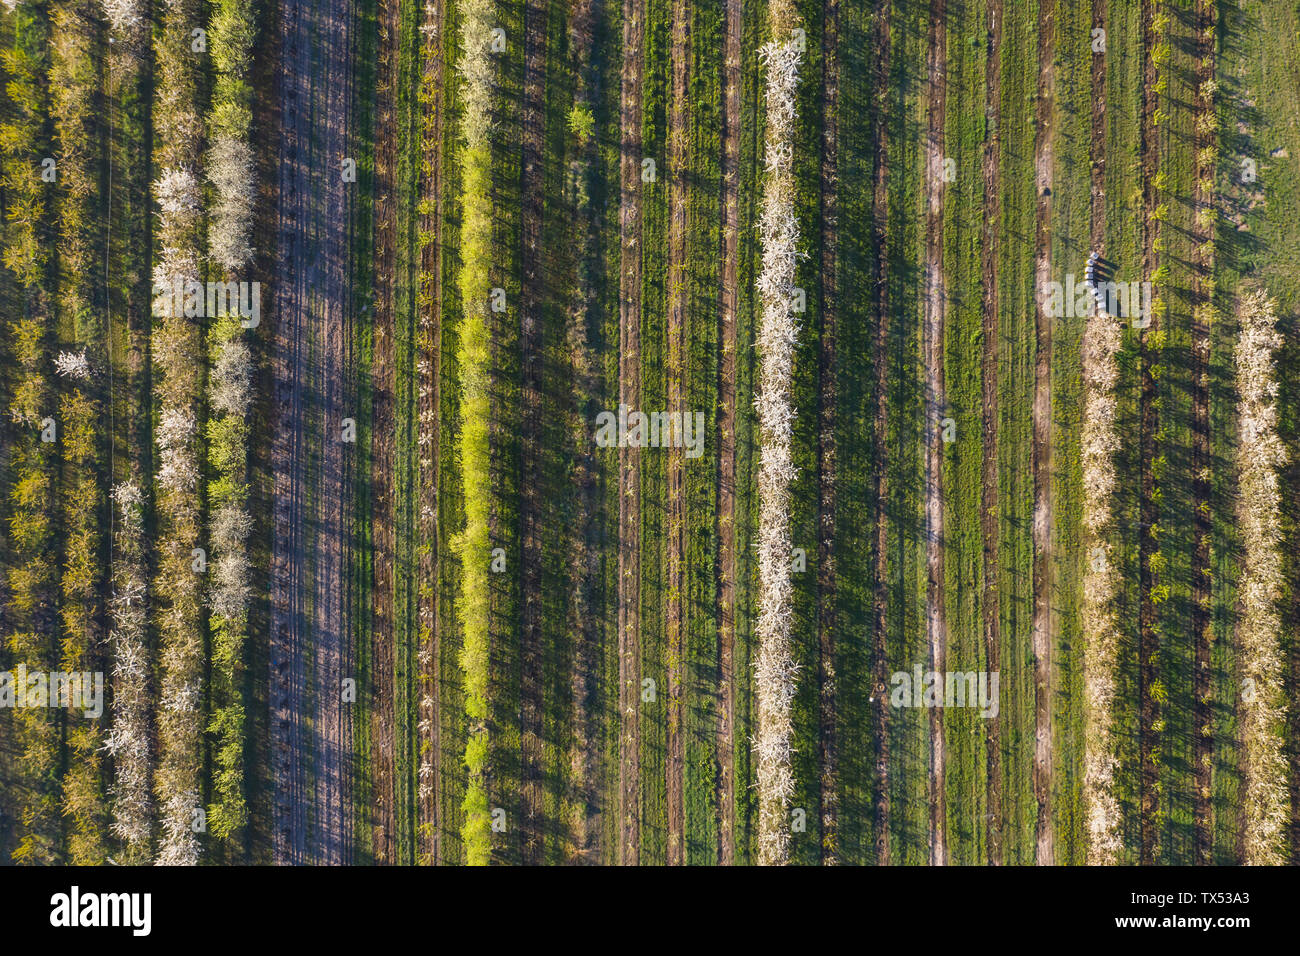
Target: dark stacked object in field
x=1098 y=268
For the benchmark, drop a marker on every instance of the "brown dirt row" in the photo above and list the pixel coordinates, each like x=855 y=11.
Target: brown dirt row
x=1148 y=641
x=932 y=334
x=990 y=513
x=584 y=549
x=827 y=389
x=1097 y=145
x=334 y=607
x=880 y=435
x=429 y=440
x=1044 y=560
x=678 y=162
x=531 y=193
x=382 y=637
x=1203 y=744
x=728 y=309
x=629 y=489
x=286 y=656
x=312 y=505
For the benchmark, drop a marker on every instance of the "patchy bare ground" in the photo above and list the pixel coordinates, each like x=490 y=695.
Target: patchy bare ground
x=310 y=647
x=932 y=335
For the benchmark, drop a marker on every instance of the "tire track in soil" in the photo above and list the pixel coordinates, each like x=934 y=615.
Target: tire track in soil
x=728 y=311
x=679 y=158
x=585 y=562
x=880 y=435
x=1097 y=147
x=932 y=334
x=312 y=733
x=1203 y=746
x=629 y=491
x=287 y=666
x=532 y=677
x=1044 y=518
x=1148 y=641
x=827 y=394
x=429 y=372
x=990 y=474
x=383 y=436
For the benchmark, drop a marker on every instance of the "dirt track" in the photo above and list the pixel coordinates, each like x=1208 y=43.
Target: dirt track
x=1202 y=461
x=585 y=561
x=310 y=647
x=990 y=513
x=679 y=173
x=1149 y=511
x=827 y=396
x=382 y=631
x=533 y=122
x=932 y=334
x=1044 y=518
x=429 y=371
x=727 y=436
x=629 y=470
x=880 y=443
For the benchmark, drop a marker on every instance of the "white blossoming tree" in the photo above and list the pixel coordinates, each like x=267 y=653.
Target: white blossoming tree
x=1101 y=344
x=775 y=670
x=128 y=739
x=1261 y=710
x=73 y=365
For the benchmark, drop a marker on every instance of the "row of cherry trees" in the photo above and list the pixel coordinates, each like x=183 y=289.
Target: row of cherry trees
x=231 y=173
x=1262 y=709
x=177 y=351
x=1100 y=441
x=775 y=669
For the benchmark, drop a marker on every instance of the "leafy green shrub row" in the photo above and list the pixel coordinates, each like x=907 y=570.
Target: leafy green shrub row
x=74 y=85
x=177 y=354
x=230 y=170
x=33 y=464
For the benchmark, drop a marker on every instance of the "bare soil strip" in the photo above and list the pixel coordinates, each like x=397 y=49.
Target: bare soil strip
x=1097 y=147
x=1148 y=641
x=531 y=186
x=286 y=657
x=312 y=298
x=383 y=452
x=1203 y=744
x=880 y=436
x=990 y=512
x=932 y=338
x=827 y=389
x=678 y=160
x=585 y=563
x=1043 y=630
x=429 y=442
x=334 y=495
x=629 y=492
x=728 y=309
